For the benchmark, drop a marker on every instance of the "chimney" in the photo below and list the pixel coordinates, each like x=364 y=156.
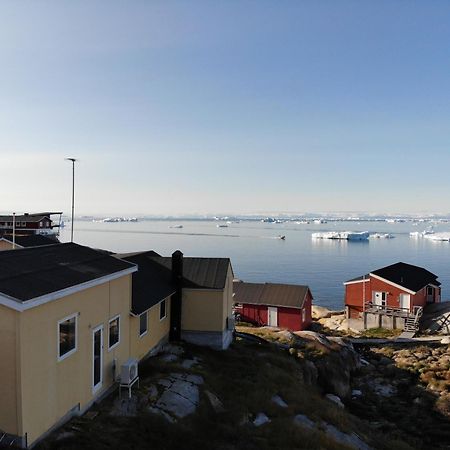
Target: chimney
x=177 y=297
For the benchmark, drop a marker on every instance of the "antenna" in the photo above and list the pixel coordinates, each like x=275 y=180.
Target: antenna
x=73 y=193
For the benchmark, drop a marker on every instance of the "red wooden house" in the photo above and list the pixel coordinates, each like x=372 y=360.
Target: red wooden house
x=38 y=223
x=279 y=305
x=398 y=289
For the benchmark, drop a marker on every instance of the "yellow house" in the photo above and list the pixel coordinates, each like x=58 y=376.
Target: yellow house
x=64 y=327
x=70 y=316
x=199 y=291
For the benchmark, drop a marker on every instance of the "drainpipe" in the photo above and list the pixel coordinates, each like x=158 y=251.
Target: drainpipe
x=176 y=301
x=14 y=231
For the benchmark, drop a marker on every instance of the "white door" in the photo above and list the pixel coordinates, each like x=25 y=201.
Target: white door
x=379 y=298
x=272 y=314
x=405 y=301
x=97 y=358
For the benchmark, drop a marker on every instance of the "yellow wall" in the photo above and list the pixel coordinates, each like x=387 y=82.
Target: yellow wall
x=51 y=388
x=9 y=394
x=4 y=245
x=157 y=330
x=207 y=309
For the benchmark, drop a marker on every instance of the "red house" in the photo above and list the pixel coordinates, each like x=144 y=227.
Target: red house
x=399 y=289
x=37 y=223
x=278 y=305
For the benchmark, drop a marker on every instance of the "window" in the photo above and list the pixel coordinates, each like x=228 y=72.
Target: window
x=303 y=315
x=162 y=310
x=143 y=324
x=114 y=332
x=430 y=290
x=24 y=224
x=67 y=336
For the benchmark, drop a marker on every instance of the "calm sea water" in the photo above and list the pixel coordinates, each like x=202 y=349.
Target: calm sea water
x=258 y=256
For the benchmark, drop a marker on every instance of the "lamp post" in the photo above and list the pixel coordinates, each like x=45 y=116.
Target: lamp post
x=73 y=193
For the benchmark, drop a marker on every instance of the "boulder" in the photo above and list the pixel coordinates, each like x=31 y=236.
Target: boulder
x=279 y=401
x=335 y=399
x=301 y=419
x=260 y=419
x=320 y=312
x=216 y=404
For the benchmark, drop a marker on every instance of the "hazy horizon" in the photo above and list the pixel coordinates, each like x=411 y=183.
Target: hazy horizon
x=177 y=108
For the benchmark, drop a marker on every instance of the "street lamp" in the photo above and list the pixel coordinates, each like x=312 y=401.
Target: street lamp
x=73 y=192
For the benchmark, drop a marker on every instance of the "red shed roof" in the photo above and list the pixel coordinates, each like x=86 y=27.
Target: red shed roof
x=272 y=294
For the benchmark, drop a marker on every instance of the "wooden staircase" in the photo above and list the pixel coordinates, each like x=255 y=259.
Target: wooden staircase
x=413 y=320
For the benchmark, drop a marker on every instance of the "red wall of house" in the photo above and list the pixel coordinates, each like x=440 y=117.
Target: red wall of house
x=290 y=318
x=354 y=295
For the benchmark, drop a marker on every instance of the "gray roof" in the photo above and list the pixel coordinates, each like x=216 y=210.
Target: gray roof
x=271 y=294
x=203 y=273
x=33 y=272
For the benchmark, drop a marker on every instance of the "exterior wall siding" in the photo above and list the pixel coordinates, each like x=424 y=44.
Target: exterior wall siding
x=51 y=388
x=157 y=332
x=9 y=372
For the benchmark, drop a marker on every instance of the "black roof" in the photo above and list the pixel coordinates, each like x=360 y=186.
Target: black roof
x=411 y=277
x=31 y=240
x=32 y=272
x=271 y=294
x=153 y=281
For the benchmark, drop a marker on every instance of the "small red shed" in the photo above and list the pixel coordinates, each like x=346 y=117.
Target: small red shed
x=278 y=305
x=398 y=287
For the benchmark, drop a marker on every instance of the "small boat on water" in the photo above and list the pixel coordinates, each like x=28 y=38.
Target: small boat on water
x=382 y=236
x=343 y=235
x=175 y=226
x=222 y=225
x=282 y=237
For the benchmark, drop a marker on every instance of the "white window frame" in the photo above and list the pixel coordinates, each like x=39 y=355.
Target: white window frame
x=165 y=310
x=146 y=323
x=109 y=334
x=70 y=352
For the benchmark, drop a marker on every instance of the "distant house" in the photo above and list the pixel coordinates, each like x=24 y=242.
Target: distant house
x=397 y=292
x=37 y=223
x=8 y=242
x=278 y=305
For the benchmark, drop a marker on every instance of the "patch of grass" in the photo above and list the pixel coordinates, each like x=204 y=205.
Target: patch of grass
x=381 y=333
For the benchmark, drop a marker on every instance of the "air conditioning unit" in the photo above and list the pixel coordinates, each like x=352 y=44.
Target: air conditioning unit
x=129 y=371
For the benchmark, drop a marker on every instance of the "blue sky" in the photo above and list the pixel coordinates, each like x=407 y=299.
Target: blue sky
x=184 y=107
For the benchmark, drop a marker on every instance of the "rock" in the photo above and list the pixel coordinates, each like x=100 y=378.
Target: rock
x=356 y=393
x=194 y=379
x=162 y=413
x=216 y=404
x=180 y=400
x=445 y=340
x=309 y=372
x=189 y=363
x=304 y=421
x=320 y=312
x=169 y=357
x=279 y=401
x=335 y=399
x=261 y=419
x=351 y=440
x=384 y=361
x=173 y=349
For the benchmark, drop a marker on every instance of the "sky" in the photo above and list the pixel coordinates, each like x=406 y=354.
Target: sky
x=213 y=107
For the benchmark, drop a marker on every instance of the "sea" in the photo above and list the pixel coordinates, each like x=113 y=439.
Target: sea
x=258 y=254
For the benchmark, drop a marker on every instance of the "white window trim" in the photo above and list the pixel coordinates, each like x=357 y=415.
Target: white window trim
x=165 y=310
x=146 y=329
x=109 y=324
x=71 y=352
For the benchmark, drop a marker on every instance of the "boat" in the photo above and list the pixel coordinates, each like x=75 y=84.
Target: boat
x=282 y=237
x=222 y=225
x=175 y=226
x=342 y=235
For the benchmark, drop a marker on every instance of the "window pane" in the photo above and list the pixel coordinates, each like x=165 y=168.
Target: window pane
x=143 y=323
x=67 y=340
x=162 y=309
x=113 y=332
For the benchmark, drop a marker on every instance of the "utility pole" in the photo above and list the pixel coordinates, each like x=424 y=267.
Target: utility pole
x=73 y=194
